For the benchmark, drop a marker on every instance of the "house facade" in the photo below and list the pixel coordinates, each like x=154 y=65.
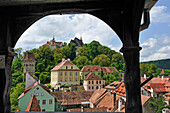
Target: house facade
x=43 y=95
x=65 y=74
x=93 y=82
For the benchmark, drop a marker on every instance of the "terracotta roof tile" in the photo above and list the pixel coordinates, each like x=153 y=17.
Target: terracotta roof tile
x=76 y=88
x=107 y=101
x=30 y=87
x=97 y=95
x=144 y=99
x=29 y=56
x=33 y=105
x=109 y=69
x=121 y=90
x=158 y=87
x=65 y=62
x=113 y=85
x=92 y=76
x=162 y=72
x=73 y=97
x=91 y=68
x=102 y=109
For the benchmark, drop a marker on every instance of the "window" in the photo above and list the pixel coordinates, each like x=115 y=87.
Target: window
x=70 y=79
x=154 y=86
x=65 y=80
x=92 y=87
x=76 y=73
x=43 y=109
x=42 y=94
x=89 y=87
x=71 y=67
x=98 y=73
x=39 y=101
x=158 y=87
x=43 y=102
x=37 y=94
x=70 y=73
x=89 y=82
x=50 y=101
x=92 y=82
x=96 y=82
x=76 y=79
x=66 y=67
x=61 y=73
x=65 y=73
x=61 y=80
x=96 y=87
x=37 y=88
x=99 y=82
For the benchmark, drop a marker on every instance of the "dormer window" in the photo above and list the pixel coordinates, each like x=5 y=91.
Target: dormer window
x=66 y=67
x=71 y=67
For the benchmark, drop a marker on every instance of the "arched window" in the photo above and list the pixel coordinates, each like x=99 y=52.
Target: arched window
x=96 y=87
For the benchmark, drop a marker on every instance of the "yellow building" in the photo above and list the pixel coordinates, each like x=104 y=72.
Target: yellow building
x=65 y=74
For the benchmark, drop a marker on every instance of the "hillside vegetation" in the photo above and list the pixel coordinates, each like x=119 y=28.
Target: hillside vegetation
x=163 y=64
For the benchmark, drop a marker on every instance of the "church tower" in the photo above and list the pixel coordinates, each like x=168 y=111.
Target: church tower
x=29 y=63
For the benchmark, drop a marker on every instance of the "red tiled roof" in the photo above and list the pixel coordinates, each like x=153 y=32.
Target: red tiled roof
x=73 y=97
x=91 y=68
x=162 y=72
x=51 y=42
x=102 y=109
x=29 y=56
x=92 y=76
x=158 y=87
x=121 y=90
x=76 y=88
x=144 y=99
x=108 y=101
x=30 y=87
x=33 y=105
x=65 y=62
x=109 y=69
x=97 y=95
x=113 y=85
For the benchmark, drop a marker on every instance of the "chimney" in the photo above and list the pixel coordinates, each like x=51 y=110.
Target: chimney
x=63 y=59
x=82 y=109
x=38 y=81
x=145 y=76
x=162 y=77
x=114 y=98
x=119 y=105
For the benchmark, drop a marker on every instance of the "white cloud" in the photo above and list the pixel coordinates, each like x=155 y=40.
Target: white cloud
x=159 y=14
x=156 y=48
x=66 y=27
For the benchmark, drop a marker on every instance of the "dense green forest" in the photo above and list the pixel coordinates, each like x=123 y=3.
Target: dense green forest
x=163 y=64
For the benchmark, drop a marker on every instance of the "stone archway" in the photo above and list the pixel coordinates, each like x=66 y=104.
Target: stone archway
x=123 y=16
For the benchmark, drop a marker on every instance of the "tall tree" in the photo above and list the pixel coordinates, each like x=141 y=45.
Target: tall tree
x=101 y=60
x=157 y=104
x=72 y=50
x=93 y=49
x=81 y=61
x=20 y=87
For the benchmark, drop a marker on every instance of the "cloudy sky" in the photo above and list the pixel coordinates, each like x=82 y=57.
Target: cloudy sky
x=155 y=41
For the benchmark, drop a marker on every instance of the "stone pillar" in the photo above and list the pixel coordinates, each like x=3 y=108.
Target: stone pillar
x=132 y=79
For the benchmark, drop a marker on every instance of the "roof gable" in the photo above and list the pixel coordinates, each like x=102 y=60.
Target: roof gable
x=33 y=105
x=91 y=68
x=92 y=76
x=65 y=62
